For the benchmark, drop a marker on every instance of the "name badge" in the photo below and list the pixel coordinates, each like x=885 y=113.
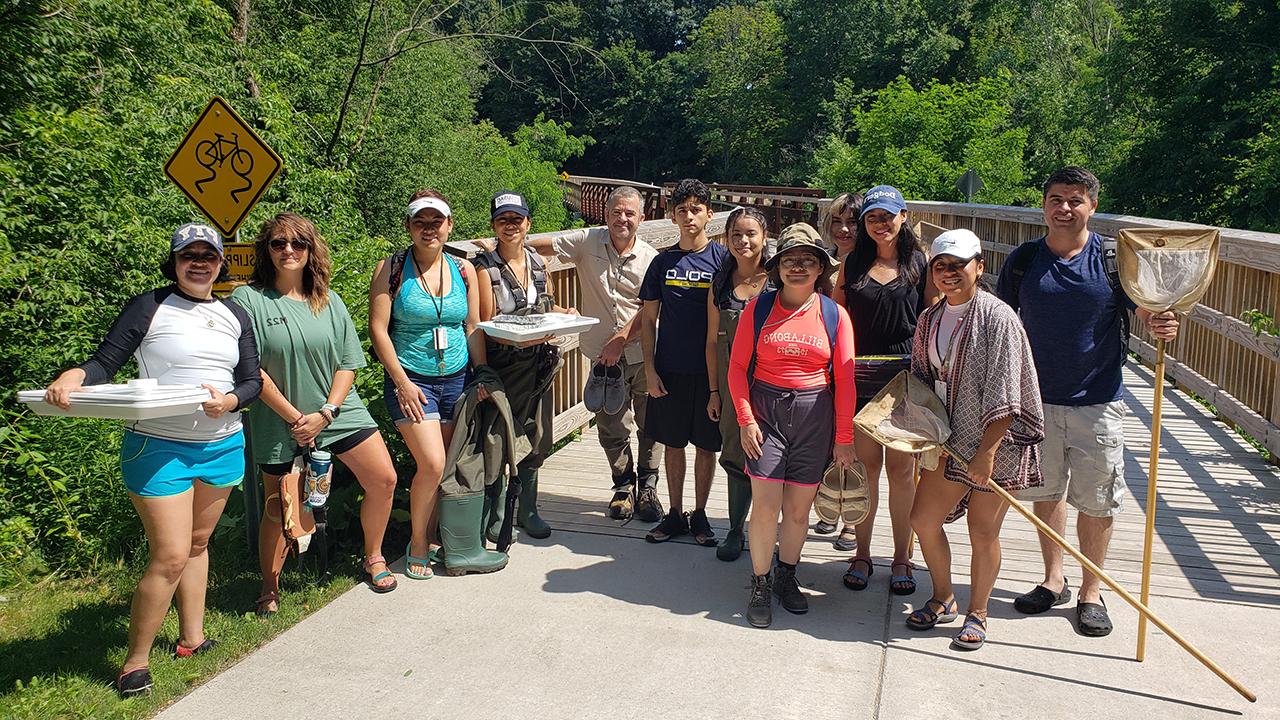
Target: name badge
x=940 y=387
x=440 y=338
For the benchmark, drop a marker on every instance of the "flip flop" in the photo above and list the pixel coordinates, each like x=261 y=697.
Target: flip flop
x=410 y=561
x=855 y=580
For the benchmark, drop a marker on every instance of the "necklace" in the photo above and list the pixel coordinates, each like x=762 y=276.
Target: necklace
x=439 y=336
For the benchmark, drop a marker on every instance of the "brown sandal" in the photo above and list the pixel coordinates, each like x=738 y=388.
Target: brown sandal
x=267 y=597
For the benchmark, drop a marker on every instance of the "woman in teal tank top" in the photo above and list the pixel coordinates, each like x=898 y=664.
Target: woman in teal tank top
x=423 y=333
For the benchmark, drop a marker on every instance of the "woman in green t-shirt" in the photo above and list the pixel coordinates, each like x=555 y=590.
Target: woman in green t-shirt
x=310 y=352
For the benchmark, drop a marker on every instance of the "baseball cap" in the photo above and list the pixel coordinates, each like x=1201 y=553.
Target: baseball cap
x=883 y=197
x=194 y=233
x=801 y=235
x=508 y=201
x=960 y=243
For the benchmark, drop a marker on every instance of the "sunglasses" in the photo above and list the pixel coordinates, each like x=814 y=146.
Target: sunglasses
x=207 y=256
x=279 y=244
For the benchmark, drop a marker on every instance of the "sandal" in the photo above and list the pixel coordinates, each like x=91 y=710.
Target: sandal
x=410 y=561
x=673 y=525
x=701 y=530
x=267 y=597
x=823 y=527
x=974 y=627
x=855 y=580
x=925 y=618
x=847 y=540
x=373 y=578
x=902 y=584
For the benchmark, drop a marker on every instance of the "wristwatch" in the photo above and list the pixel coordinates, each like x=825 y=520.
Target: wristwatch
x=334 y=410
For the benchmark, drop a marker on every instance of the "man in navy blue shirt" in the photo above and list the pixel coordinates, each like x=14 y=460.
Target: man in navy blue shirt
x=673 y=332
x=1074 y=311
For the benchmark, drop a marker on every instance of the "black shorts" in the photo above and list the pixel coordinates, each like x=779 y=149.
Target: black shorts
x=337 y=447
x=872 y=373
x=680 y=417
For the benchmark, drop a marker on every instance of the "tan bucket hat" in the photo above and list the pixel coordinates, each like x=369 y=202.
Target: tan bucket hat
x=1166 y=269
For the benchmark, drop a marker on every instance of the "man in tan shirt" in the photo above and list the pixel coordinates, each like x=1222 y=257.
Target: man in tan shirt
x=611 y=264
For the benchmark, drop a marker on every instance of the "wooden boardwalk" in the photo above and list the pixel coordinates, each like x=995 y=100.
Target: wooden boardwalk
x=1217 y=520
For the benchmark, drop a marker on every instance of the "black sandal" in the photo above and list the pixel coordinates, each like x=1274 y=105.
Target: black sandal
x=701 y=530
x=673 y=525
x=855 y=580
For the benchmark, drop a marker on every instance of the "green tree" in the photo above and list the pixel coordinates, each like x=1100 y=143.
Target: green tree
x=920 y=141
x=737 y=106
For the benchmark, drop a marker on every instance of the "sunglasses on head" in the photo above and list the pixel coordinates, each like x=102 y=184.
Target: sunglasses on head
x=207 y=256
x=279 y=244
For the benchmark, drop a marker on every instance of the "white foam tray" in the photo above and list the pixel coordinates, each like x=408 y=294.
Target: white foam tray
x=555 y=324
x=122 y=402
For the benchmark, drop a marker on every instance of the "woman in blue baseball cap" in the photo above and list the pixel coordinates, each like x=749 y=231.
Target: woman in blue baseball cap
x=884 y=286
x=178 y=470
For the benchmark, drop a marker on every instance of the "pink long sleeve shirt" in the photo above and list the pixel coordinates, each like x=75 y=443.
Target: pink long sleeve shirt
x=793 y=352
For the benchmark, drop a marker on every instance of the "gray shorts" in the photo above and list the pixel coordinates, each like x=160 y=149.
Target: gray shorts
x=1082 y=458
x=799 y=430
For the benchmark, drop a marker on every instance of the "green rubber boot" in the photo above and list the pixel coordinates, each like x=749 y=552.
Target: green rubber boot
x=739 y=503
x=527 y=515
x=461 y=536
x=495 y=507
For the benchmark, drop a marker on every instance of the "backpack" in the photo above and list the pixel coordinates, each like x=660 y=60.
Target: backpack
x=500 y=273
x=1019 y=261
x=830 y=320
x=398 y=259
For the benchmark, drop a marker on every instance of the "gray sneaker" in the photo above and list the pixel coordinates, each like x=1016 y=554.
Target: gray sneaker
x=593 y=394
x=615 y=390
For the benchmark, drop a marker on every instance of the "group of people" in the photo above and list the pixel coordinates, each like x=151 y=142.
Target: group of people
x=760 y=350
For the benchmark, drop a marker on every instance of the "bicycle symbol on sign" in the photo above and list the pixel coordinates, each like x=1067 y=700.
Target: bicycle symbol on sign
x=213 y=153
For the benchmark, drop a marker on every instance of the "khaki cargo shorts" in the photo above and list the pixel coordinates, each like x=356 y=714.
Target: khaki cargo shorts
x=1082 y=458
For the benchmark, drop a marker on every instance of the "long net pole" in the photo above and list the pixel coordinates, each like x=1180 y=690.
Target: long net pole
x=1153 y=470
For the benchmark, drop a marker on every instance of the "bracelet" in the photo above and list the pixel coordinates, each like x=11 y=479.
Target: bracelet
x=300 y=416
x=715 y=390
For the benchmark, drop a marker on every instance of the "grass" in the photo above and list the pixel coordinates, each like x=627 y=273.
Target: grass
x=62 y=640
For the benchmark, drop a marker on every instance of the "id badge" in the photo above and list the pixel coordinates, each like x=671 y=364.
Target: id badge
x=940 y=388
x=441 y=338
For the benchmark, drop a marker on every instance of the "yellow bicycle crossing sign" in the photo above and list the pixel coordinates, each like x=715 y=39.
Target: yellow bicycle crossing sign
x=223 y=166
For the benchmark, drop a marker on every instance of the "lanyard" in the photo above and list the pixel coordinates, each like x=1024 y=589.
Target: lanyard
x=951 y=341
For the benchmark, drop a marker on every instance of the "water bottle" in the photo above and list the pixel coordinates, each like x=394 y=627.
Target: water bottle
x=319 y=470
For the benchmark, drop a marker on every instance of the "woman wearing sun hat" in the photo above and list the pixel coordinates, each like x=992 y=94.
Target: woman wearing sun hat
x=178 y=470
x=884 y=284
x=791 y=379
x=973 y=351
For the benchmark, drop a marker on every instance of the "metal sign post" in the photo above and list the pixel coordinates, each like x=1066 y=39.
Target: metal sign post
x=970 y=184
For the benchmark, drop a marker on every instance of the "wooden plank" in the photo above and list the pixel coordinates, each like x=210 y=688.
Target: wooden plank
x=570 y=420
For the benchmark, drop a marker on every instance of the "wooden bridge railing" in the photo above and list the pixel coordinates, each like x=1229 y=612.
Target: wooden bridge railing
x=1217 y=356
x=586 y=196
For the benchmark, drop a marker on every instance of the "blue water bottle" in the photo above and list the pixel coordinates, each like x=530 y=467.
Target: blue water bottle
x=319 y=470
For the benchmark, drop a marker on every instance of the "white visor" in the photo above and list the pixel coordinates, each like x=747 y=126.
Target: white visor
x=423 y=203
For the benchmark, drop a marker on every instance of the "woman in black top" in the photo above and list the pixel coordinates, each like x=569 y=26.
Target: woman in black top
x=884 y=286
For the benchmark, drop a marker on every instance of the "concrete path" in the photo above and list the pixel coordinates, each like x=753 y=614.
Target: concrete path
x=594 y=622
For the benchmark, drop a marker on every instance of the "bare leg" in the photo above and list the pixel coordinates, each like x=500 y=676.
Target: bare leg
x=1095 y=536
x=167 y=522
x=1054 y=514
x=935 y=499
x=900 y=468
x=985 y=516
x=797 y=500
x=206 y=507
x=371 y=464
x=762 y=530
x=674 y=460
x=426 y=443
x=871 y=454
x=704 y=469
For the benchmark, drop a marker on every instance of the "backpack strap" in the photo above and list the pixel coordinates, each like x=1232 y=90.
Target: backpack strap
x=1112 y=267
x=398 y=259
x=831 y=321
x=764 y=306
x=538 y=268
x=1018 y=262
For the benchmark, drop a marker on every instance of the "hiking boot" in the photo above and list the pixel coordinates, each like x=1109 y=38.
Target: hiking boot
x=623 y=504
x=760 y=606
x=648 y=506
x=788 y=590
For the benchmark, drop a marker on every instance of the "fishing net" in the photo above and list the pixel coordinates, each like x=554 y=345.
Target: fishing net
x=1167 y=269
x=906 y=415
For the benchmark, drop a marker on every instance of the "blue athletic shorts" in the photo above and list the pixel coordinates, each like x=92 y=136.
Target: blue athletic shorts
x=442 y=392
x=155 y=467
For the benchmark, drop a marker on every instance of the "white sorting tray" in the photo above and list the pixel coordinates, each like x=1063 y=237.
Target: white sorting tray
x=137 y=401
x=556 y=324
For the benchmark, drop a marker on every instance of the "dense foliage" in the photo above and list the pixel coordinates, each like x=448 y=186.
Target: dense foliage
x=1172 y=103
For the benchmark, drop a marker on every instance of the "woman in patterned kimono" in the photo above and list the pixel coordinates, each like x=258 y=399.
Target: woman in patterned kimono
x=973 y=351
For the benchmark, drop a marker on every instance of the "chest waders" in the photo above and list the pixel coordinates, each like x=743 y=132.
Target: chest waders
x=732 y=458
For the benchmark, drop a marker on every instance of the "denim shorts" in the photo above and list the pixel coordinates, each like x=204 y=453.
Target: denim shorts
x=441 y=392
x=155 y=467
